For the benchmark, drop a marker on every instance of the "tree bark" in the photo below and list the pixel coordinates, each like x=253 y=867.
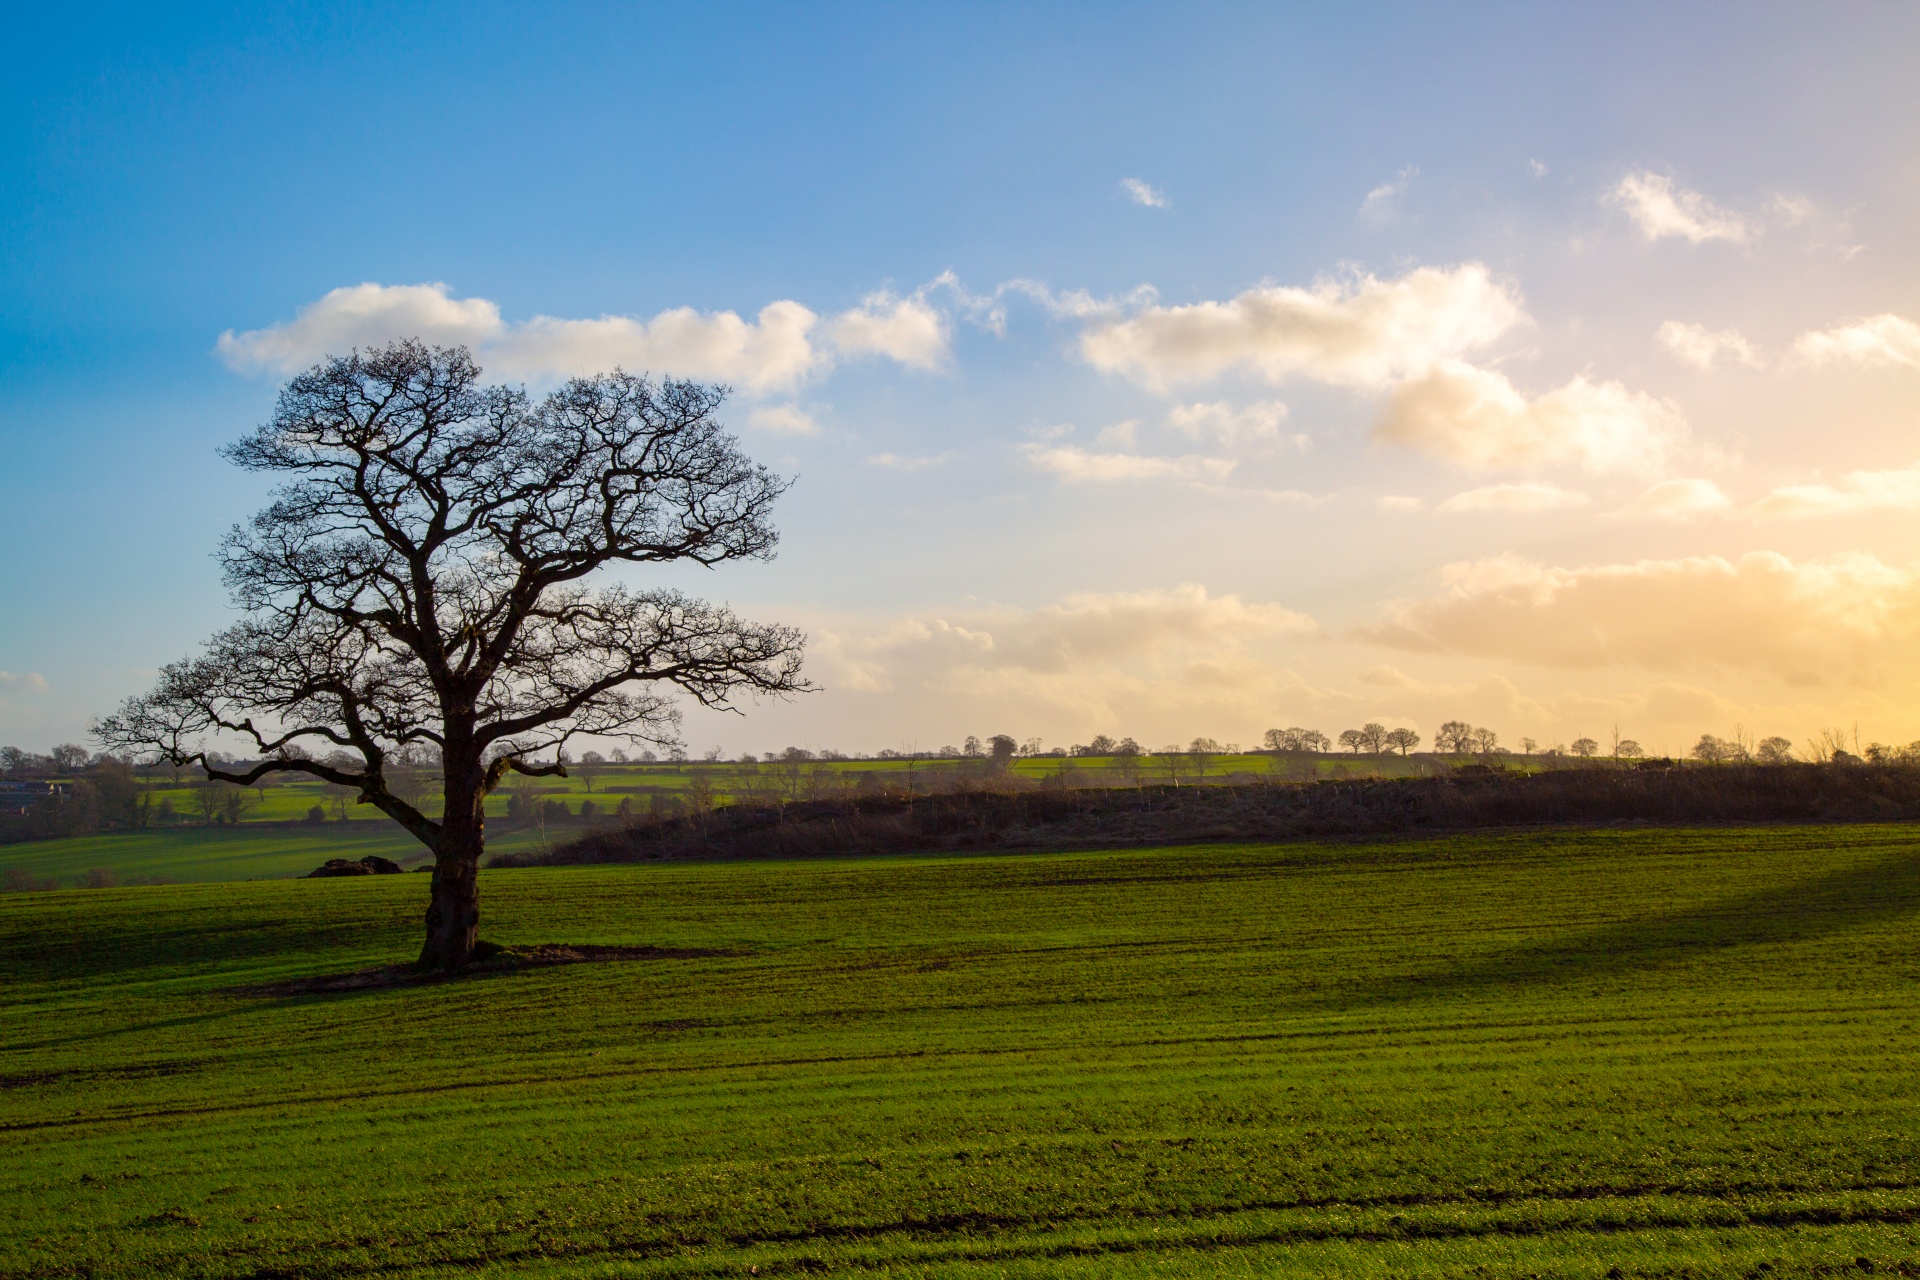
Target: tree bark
x=453 y=912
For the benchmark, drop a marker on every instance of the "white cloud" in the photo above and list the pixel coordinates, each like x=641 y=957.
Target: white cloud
x=1476 y=418
x=1896 y=490
x=1699 y=346
x=1537 y=169
x=774 y=351
x=784 y=419
x=1882 y=339
x=1382 y=204
x=1527 y=497
x=1660 y=209
x=1844 y=618
x=1178 y=648
x=1366 y=332
x=29 y=682
x=1400 y=504
x=894 y=462
x=1679 y=500
x=1076 y=465
x=1142 y=194
x=363 y=315
x=903 y=329
x=1231 y=425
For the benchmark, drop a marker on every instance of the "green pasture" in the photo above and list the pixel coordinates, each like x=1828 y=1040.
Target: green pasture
x=289 y=798
x=250 y=851
x=1619 y=1053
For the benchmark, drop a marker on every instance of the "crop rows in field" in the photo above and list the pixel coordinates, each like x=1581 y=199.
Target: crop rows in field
x=1557 y=1054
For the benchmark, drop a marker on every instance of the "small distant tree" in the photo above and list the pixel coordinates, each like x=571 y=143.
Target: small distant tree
x=1352 y=740
x=590 y=767
x=1712 y=750
x=1102 y=745
x=421 y=577
x=971 y=747
x=1826 y=744
x=1528 y=746
x=1402 y=740
x=1627 y=749
x=1314 y=741
x=1454 y=738
x=1003 y=749
x=69 y=757
x=1484 y=742
x=1373 y=738
x=1175 y=763
x=1774 y=750
x=1585 y=748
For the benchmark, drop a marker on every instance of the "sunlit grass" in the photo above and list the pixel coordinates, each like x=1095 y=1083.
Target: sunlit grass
x=1552 y=1054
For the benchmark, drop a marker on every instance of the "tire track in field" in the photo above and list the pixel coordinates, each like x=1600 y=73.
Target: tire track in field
x=960 y=1225
x=1389 y=1037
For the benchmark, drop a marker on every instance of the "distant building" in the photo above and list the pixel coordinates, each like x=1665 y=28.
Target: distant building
x=18 y=796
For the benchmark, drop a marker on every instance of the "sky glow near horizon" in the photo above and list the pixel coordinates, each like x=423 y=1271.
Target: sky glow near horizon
x=1142 y=374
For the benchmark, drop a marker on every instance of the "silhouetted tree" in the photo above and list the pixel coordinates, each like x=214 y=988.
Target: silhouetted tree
x=1402 y=740
x=420 y=578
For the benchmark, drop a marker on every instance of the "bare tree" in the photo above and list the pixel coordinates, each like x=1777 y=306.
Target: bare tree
x=1484 y=742
x=1352 y=740
x=1373 y=737
x=1454 y=738
x=1402 y=740
x=589 y=767
x=1585 y=748
x=420 y=579
x=1774 y=751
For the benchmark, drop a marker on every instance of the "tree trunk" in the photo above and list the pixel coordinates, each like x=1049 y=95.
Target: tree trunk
x=453 y=914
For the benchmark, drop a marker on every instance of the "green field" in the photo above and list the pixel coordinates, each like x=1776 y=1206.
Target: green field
x=243 y=852
x=270 y=842
x=1666 y=1053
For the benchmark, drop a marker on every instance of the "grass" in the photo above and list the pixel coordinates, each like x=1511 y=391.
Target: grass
x=1666 y=1053
x=290 y=797
x=247 y=851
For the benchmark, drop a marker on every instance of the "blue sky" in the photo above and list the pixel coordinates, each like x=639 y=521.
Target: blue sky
x=1049 y=521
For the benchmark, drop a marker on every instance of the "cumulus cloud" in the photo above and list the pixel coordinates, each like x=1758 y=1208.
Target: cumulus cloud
x=1087 y=653
x=1679 y=500
x=1382 y=204
x=1076 y=465
x=1231 y=425
x=1524 y=498
x=784 y=419
x=1840 y=619
x=1882 y=339
x=1662 y=210
x=1365 y=332
x=1699 y=346
x=25 y=682
x=1475 y=418
x=363 y=315
x=906 y=330
x=774 y=351
x=1894 y=490
x=1142 y=194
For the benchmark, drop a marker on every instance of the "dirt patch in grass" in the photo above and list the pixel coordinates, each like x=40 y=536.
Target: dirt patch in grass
x=491 y=960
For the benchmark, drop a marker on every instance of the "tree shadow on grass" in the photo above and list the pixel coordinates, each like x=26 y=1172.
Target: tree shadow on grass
x=1837 y=901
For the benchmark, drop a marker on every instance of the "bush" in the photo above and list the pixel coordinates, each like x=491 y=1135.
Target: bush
x=316 y=816
x=99 y=878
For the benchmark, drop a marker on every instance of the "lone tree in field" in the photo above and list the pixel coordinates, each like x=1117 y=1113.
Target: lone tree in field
x=420 y=581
